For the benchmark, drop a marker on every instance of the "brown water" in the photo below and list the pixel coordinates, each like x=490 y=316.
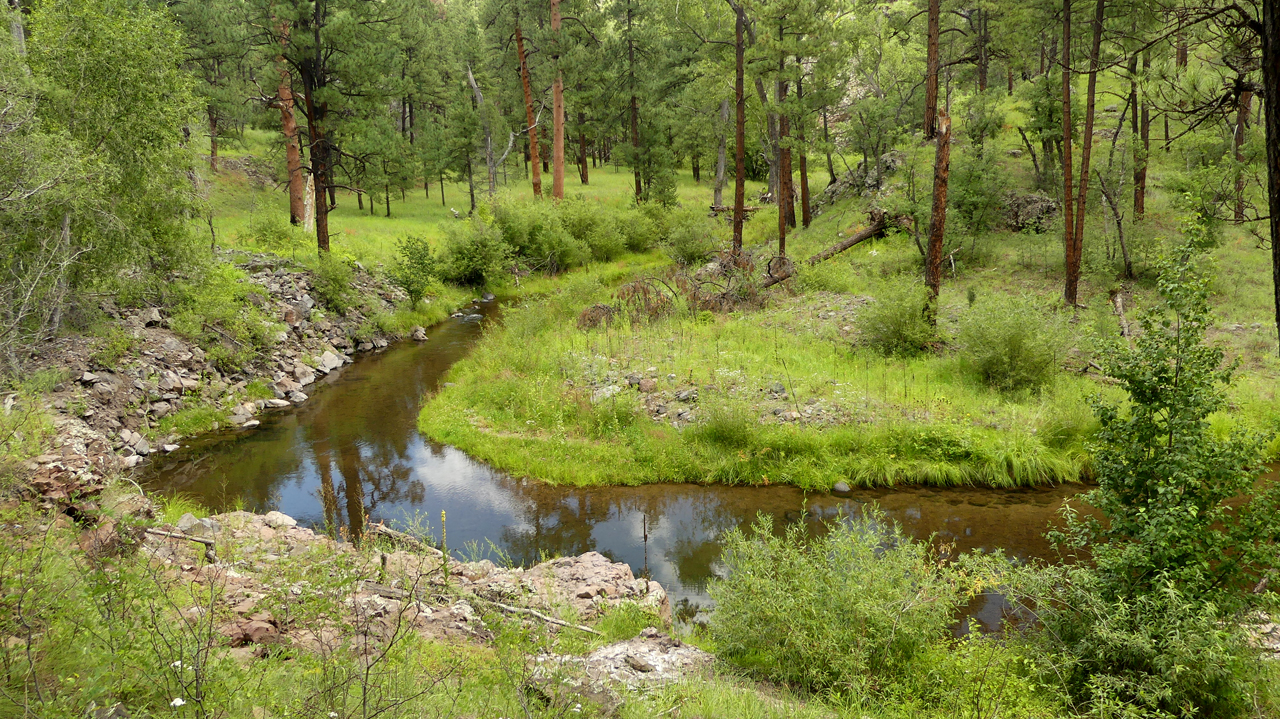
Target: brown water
x=353 y=451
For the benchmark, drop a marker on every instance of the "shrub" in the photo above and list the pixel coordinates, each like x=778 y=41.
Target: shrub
x=331 y=282
x=846 y=611
x=414 y=269
x=214 y=309
x=692 y=237
x=639 y=231
x=1157 y=654
x=474 y=254
x=1009 y=344
x=895 y=323
x=273 y=233
x=534 y=232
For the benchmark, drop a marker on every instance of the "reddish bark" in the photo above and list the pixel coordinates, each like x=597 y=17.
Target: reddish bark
x=931 y=70
x=938 y=216
x=1068 y=182
x=1090 y=107
x=535 y=172
x=557 y=110
x=739 y=131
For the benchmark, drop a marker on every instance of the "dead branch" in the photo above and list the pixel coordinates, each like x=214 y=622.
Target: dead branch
x=877 y=227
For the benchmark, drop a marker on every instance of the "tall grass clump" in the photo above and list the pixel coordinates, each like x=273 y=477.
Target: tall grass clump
x=845 y=612
x=1010 y=344
x=895 y=324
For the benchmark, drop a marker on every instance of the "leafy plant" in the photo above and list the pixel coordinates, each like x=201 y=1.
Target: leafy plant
x=848 y=611
x=475 y=254
x=1009 y=344
x=415 y=269
x=332 y=283
x=895 y=324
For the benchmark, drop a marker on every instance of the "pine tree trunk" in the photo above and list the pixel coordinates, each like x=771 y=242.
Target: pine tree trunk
x=931 y=70
x=984 y=57
x=1242 y=124
x=528 y=112
x=360 y=200
x=938 y=216
x=826 y=140
x=1090 y=108
x=1271 y=96
x=786 y=210
x=213 y=139
x=740 y=130
x=806 y=214
x=292 y=152
x=1068 y=182
x=697 y=170
x=557 y=110
x=721 y=154
x=635 y=107
x=1144 y=141
x=582 y=148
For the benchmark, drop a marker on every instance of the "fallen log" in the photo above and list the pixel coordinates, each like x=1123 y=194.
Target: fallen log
x=208 y=543
x=877 y=227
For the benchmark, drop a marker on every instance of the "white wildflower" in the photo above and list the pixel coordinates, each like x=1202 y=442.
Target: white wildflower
x=177 y=702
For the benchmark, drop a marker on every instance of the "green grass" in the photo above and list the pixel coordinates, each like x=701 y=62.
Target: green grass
x=371 y=238
x=921 y=420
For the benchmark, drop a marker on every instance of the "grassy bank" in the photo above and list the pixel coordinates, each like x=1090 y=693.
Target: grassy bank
x=791 y=390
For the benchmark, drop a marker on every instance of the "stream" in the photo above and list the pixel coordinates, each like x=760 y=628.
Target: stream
x=353 y=451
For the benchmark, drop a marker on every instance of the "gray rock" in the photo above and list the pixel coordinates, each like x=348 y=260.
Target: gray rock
x=418 y=334
x=841 y=489
x=487 y=297
x=169 y=447
x=297 y=397
x=688 y=395
x=330 y=361
x=605 y=393
x=251 y=424
x=279 y=520
x=186 y=522
x=151 y=317
x=143 y=447
x=277 y=403
x=88 y=378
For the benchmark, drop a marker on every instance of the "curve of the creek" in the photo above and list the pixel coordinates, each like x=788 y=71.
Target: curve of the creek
x=353 y=451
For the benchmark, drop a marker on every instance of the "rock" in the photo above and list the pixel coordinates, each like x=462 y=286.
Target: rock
x=151 y=317
x=687 y=395
x=1111 y=108
x=379 y=343
x=605 y=393
x=186 y=522
x=279 y=520
x=1015 y=152
x=841 y=489
x=250 y=424
x=589 y=582
x=304 y=374
x=297 y=397
x=418 y=334
x=277 y=403
x=169 y=381
x=238 y=418
x=647 y=385
x=1031 y=212
x=651 y=659
x=638 y=664
x=88 y=378
x=160 y=409
x=487 y=297
x=142 y=447
x=364 y=347
x=169 y=448
x=330 y=361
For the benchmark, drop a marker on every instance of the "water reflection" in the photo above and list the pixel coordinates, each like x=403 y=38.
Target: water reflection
x=353 y=452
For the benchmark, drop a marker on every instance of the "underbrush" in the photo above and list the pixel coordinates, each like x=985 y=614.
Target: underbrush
x=214 y=310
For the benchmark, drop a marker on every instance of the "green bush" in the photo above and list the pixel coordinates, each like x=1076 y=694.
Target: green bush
x=331 y=282
x=1157 y=654
x=895 y=324
x=214 y=310
x=270 y=231
x=639 y=231
x=692 y=237
x=475 y=254
x=1010 y=344
x=414 y=269
x=848 y=611
x=535 y=233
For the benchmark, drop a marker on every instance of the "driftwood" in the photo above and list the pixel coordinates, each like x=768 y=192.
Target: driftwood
x=401 y=539
x=208 y=543
x=877 y=227
x=384 y=591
